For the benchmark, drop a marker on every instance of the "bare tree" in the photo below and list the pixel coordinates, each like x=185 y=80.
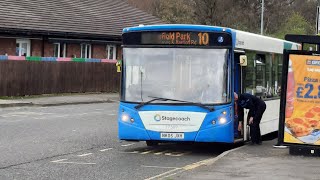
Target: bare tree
x=239 y=14
x=175 y=11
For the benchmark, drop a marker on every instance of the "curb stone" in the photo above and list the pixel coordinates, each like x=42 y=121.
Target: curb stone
x=54 y=104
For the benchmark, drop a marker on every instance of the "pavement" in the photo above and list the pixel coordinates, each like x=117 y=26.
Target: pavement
x=51 y=100
x=246 y=162
x=256 y=162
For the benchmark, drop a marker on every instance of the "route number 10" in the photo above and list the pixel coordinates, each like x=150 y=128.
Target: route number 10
x=203 y=38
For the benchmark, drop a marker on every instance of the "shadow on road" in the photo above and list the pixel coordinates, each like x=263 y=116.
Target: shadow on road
x=197 y=149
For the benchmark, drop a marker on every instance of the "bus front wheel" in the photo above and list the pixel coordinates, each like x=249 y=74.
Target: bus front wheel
x=152 y=143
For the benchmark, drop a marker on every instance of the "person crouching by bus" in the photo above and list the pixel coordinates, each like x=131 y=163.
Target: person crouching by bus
x=256 y=108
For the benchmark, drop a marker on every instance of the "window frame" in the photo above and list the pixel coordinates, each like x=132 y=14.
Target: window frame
x=20 y=42
x=88 y=50
x=252 y=72
x=114 y=51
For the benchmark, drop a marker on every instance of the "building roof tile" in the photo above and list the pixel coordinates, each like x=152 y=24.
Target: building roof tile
x=100 y=17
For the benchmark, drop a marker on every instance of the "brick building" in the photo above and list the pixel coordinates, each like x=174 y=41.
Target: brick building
x=67 y=28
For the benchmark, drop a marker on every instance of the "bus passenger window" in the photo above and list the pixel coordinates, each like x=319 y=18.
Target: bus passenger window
x=262 y=76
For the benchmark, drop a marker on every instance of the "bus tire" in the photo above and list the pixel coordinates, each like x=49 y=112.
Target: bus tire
x=152 y=143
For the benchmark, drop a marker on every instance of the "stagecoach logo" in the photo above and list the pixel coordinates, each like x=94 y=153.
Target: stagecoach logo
x=220 y=39
x=157 y=117
x=313 y=62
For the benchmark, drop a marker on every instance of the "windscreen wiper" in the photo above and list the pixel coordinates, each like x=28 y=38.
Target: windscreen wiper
x=154 y=99
x=176 y=100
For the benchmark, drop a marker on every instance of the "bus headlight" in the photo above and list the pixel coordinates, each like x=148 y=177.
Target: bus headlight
x=125 y=117
x=222 y=120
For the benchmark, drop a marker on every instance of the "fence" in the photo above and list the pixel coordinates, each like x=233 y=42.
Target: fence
x=19 y=77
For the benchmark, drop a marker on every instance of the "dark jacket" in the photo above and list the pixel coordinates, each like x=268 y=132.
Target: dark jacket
x=255 y=105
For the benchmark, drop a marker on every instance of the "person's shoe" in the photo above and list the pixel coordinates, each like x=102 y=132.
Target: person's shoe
x=259 y=143
x=251 y=143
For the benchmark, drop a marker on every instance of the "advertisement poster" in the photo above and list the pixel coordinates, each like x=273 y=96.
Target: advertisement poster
x=302 y=109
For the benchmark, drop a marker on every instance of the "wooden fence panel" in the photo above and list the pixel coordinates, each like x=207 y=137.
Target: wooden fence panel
x=19 y=78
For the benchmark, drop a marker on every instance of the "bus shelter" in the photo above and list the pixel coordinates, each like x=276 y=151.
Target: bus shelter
x=299 y=124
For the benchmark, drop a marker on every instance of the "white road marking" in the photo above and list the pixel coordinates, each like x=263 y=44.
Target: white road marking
x=112 y=114
x=82 y=114
x=24 y=114
x=161 y=152
x=209 y=161
x=102 y=150
x=147 y=152
x=133 y=152
x=82 y=155
x=164 y=174
x=180 y=154
x=39 y=118
x=60 y=116
x=126 y=145
x=160 y=167
x=76 y=163
x=59 y=160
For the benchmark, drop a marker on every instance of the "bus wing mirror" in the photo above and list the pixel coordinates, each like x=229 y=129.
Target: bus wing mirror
x=243 y=60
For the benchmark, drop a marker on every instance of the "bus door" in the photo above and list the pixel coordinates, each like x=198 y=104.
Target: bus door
x=239 y=57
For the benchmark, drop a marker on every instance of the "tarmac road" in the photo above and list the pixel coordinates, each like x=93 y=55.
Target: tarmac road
x=80 y=142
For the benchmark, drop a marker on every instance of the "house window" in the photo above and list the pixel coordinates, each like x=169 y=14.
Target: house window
x=111 y=52
x=85 y=50
x=59 y=49
x=23 y=47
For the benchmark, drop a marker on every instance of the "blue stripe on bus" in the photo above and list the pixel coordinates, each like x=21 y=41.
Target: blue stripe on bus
x=176 y=27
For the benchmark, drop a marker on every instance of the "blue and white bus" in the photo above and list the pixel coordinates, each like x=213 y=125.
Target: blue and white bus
x=178 y=81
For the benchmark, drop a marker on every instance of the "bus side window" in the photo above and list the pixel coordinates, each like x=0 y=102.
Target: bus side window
x=262 y=76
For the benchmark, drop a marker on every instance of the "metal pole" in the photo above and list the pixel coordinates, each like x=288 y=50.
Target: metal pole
x=262 y=11
x=317 y=25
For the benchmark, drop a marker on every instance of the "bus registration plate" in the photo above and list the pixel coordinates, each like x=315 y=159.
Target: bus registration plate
x=172 y=135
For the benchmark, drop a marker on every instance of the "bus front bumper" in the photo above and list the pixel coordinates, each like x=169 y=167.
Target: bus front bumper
x=222 y=133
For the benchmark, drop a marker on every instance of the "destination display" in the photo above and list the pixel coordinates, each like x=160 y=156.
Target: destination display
x=184 y=38
x=302 y=110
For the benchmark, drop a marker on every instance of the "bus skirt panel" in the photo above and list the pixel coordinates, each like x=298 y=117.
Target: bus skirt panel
x=222 y=133
x=131 y=132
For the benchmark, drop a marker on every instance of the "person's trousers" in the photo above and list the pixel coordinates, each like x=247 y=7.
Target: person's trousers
x=255 y=133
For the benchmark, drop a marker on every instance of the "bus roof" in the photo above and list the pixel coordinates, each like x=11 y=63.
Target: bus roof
x=256 y=42
x=241 y=40
x=175 y=27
